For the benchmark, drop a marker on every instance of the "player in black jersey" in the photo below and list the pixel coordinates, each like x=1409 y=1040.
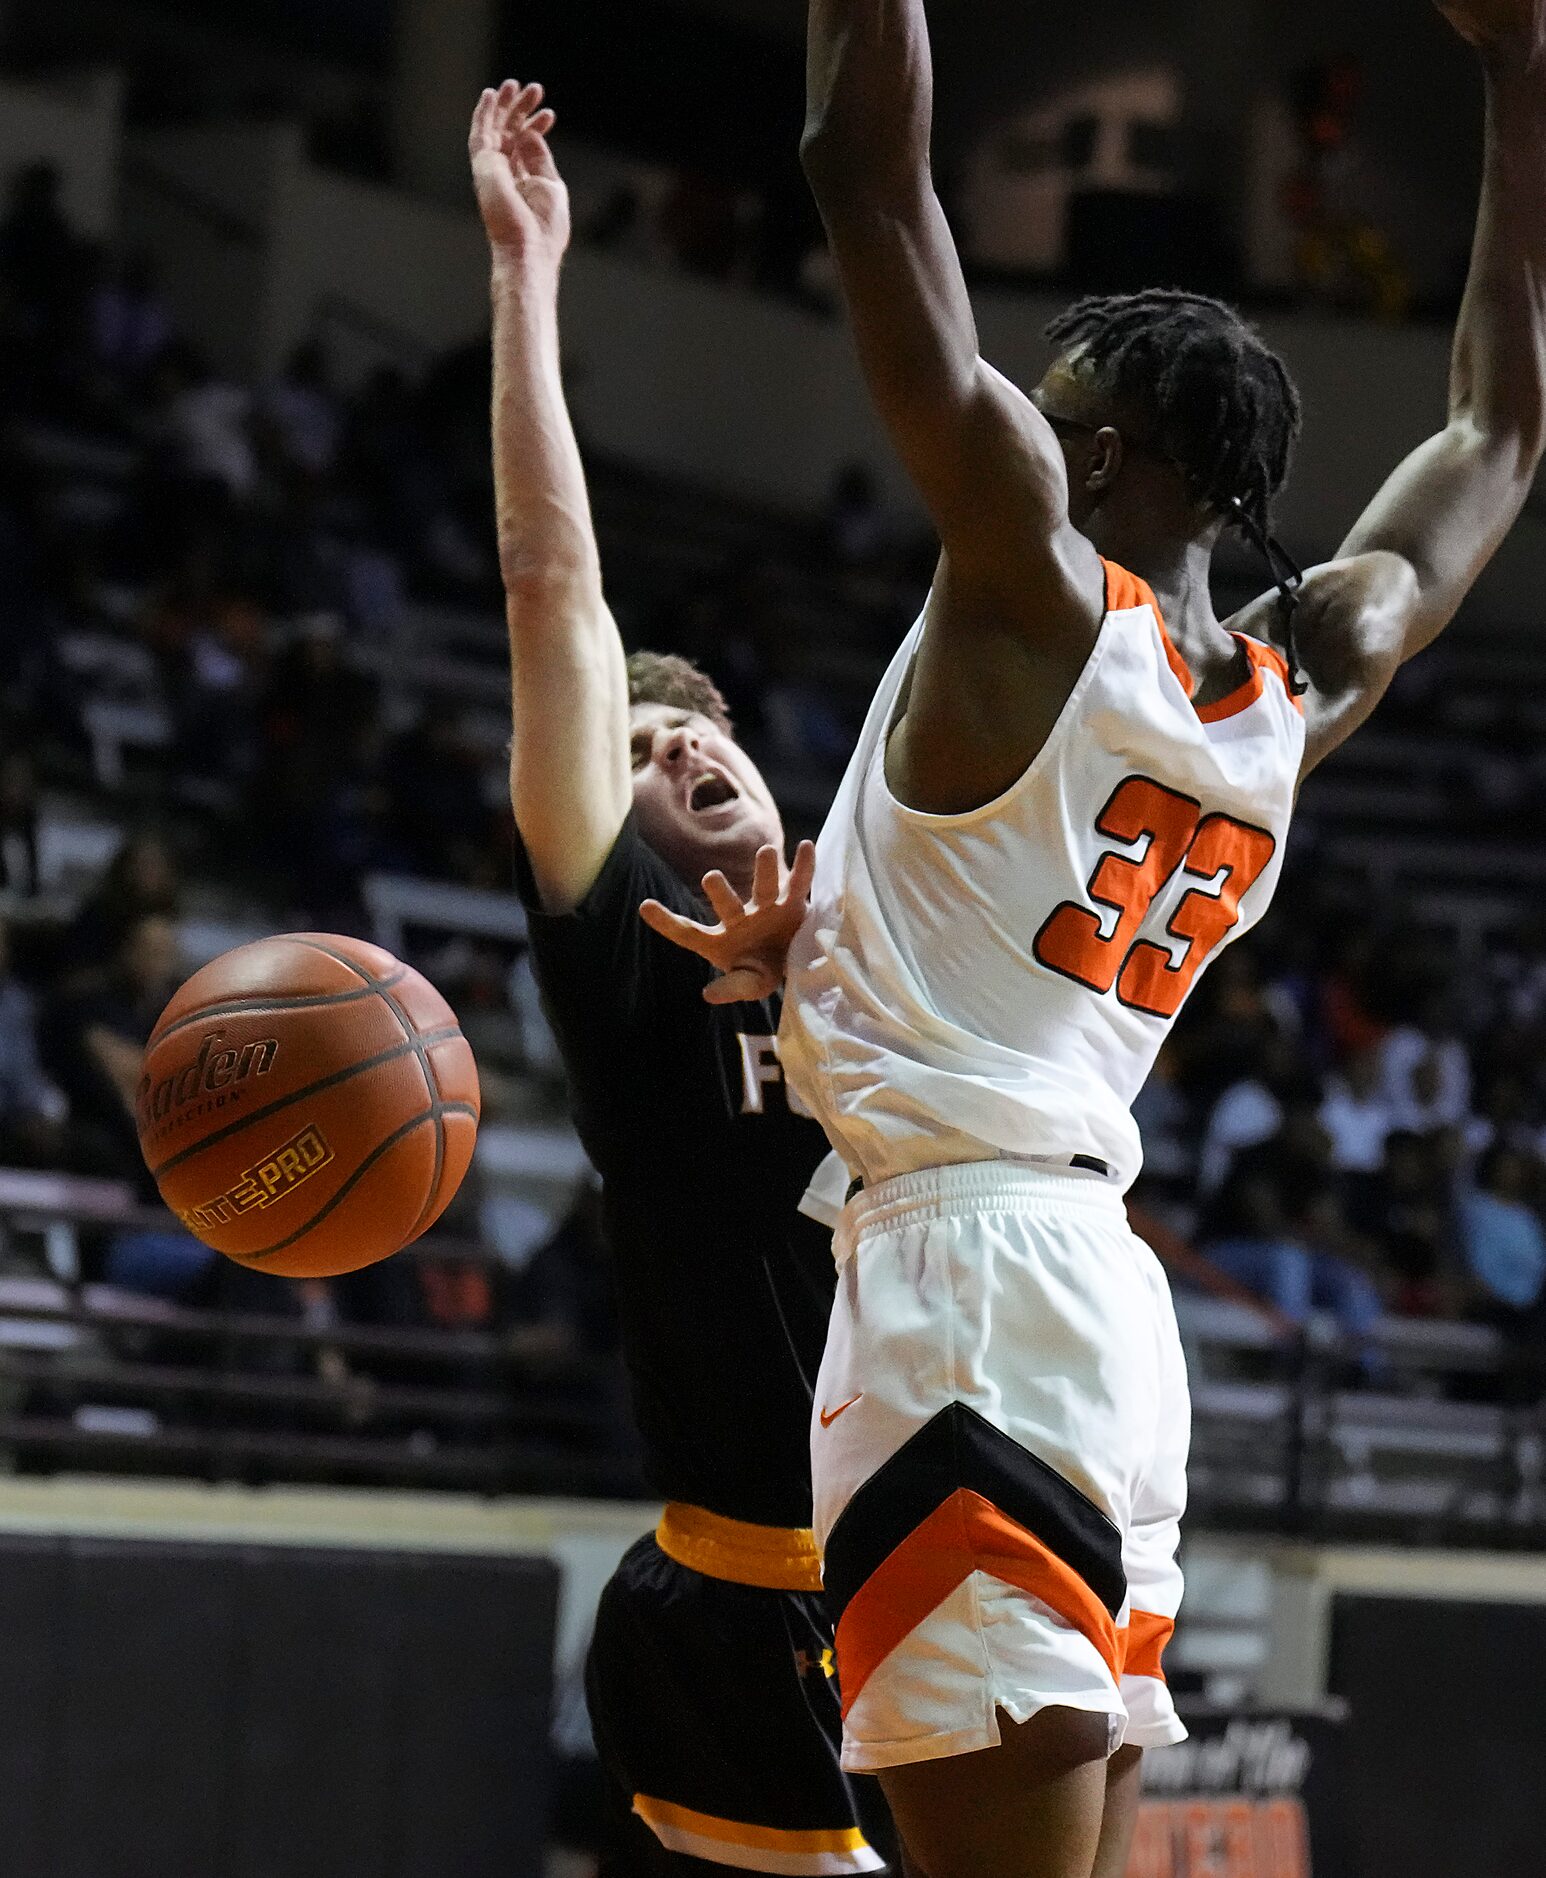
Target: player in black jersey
x=711 y=1674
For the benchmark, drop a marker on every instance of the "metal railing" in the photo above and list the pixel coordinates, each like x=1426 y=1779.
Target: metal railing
x=95 y=1377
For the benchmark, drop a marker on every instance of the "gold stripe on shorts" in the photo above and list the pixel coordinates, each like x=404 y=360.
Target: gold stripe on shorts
x=777 y=1558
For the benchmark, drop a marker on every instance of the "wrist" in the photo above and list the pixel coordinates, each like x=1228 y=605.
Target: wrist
x=524 y=270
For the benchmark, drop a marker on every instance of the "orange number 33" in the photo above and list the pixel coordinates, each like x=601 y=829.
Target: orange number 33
x=1149 y=977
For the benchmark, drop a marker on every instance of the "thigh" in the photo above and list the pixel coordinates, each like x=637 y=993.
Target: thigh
x=1032 y=1807
x=1124 y=1782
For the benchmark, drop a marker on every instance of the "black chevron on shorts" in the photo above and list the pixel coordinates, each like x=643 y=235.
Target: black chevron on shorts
x=958 y=1448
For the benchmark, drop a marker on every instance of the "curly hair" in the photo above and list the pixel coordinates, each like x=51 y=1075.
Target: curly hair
x=1221 y=403
x=669 y=679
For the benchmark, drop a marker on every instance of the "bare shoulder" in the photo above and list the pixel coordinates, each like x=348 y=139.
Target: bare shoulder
x=1350 y=633
x=984 y=694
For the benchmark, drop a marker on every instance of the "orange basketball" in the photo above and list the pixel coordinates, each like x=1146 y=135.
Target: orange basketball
x=308 y=1104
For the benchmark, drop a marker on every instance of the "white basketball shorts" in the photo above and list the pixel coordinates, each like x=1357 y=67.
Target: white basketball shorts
x=999 y=1457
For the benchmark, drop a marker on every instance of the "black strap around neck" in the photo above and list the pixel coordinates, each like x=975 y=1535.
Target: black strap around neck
x=1286 y=576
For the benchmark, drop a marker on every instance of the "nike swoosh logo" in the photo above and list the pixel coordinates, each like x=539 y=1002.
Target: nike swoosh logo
x=829 y=1416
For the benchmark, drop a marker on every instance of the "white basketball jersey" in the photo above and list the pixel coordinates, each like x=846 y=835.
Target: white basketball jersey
x=998 y=983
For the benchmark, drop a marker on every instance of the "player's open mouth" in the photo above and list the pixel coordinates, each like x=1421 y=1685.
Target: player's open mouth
x=711 y=791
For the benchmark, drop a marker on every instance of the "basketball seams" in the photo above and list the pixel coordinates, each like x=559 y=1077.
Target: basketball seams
x=376 y=1154
x=337 y=1076
x=266 y=1006
x=336 y=1199
x=418 y=1044
x=437 y=1109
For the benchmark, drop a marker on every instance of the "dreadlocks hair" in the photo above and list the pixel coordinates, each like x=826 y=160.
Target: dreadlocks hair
x=669 y=679
x=1221 y=406
x=1218 y=402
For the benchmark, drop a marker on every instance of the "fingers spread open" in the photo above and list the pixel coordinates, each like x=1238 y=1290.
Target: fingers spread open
x=766 y=875
x=724 y=899
x=682 y=932
x=531 y=152
x=482 y=135
x=745 y=985
x=802 y=873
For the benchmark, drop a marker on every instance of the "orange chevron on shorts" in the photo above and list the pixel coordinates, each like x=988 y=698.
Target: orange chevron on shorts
x=1142 y=1640
x=965 y=1533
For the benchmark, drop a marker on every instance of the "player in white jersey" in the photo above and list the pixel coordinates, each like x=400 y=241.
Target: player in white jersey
x=1072 y=789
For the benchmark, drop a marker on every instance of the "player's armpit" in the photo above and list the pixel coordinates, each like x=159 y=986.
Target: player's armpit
x=1445 y=510
x=1351 y=627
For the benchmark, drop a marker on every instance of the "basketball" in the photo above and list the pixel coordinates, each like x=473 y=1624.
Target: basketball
x=308 y=1105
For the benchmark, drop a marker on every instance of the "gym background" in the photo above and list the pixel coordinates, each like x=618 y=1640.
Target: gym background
x=297 y=1577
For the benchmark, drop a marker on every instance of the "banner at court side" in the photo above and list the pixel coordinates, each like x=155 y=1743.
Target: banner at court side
x=1248 y=1796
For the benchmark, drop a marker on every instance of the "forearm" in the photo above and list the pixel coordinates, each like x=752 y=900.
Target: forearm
x=1498 y=375
x=546 y=535
x=869 y=95
x=1448 y=506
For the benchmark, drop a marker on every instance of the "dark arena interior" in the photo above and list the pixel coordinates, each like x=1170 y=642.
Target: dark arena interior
x=300 y=1568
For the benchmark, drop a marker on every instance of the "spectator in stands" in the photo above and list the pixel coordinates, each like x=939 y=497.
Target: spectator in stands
x=1502 y=1240
x=1346 y=1017
x=1237 y=1030
x=438 y=811
x=32 y=1108
x=93 y=1036
x=1425 y=1074
x=128 y=322
x=301 y=411
x=1407 y=1210
x=1506 y=1116
x=1358 y=1119
x=19 y=823
x=1253 y=1109
x=206 y=424
x=857 y=530
x=311 y=795
x=141 y=881
x=1299 y=1258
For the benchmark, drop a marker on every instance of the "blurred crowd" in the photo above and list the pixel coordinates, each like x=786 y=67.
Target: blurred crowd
x=1350 y=1119
x=1347 y=1120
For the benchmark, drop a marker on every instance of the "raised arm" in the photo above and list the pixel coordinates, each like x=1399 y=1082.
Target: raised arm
x=1445 y=510
x=569 y=775
x=985 y=462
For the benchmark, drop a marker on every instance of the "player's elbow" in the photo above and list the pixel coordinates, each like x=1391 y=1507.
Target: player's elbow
x=1508 y=445
x=538 y=580
x=848 y=168
x=829 y=152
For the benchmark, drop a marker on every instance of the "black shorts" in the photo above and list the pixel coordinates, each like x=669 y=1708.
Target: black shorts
x=715 y=1712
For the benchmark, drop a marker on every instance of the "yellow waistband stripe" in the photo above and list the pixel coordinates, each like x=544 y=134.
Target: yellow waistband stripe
x=778 y=1558
x=731 y=1842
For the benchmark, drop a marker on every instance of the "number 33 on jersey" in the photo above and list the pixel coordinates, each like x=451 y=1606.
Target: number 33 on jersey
x=1171 y=832
x=999 y=982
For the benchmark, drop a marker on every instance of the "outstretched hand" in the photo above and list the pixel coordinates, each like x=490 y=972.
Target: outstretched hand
x=751 y=942
x=521 y=196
